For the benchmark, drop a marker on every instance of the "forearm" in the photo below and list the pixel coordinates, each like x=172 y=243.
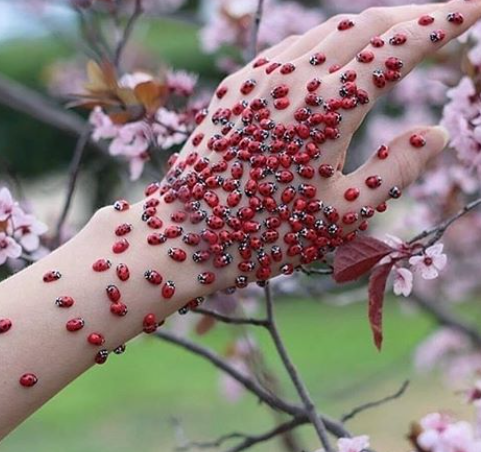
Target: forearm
x=39 y=342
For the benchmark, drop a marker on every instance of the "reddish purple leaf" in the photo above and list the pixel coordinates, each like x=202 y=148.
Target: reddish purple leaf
x=356 y=258
x=377 y=287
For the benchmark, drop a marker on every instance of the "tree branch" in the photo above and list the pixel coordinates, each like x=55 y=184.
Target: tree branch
x=302 y=390
x=33 y=104
x=129 y=27
x=252 y=52
x=438 y=231
x=369 y=405
x=73 y=172
x=446 y=318
x=251 y=385
x=231 y=320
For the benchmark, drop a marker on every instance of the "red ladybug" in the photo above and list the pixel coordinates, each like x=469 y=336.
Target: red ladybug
x=52 y=276
x=75 y=324
x=168 y=289
x=153 y=277
x=123 y=272
x=206 y=277
x=5 y=325
x=113 y=293
x=119 y=309
x=64 y=302
x=96 y=339
x=28 y=380
x=101 y=356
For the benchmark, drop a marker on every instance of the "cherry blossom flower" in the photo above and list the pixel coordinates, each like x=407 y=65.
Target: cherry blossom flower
x=9 y=248
x=7 y=204
x=134 y=79
x=403 y=281
x=431 y=262
x=27 y=231
x=443 y=434
x=356 y=444
x=103 y=127
x=182 y=83
x=169 y=129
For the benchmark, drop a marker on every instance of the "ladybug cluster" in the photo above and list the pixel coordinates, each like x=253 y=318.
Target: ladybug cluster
x=248 y=196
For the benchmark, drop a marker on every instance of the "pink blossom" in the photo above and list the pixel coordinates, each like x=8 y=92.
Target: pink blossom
x=168 y=129
x=403 y=281
x=360 y=5
x=356 y=444
x=437 y=349
x=134 y=79
x=7 y=204
x=442 y=434
x=27 y=231
x=431 y=262
x=9 y=248
x=182 y=83
x=103 y=127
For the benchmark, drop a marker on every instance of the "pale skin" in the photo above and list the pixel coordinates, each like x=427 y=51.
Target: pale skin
x=38 y=341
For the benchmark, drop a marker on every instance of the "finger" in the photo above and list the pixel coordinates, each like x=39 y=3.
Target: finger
x=391 y=169
x=274 y=51
x=350 y=34
x=405 y=46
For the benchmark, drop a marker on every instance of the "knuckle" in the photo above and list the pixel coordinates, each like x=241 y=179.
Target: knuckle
x=377 y=14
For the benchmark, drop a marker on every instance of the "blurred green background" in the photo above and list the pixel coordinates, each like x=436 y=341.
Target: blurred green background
x=129 y=404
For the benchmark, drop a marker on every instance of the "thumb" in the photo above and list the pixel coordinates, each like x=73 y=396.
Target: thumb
x=394 y=167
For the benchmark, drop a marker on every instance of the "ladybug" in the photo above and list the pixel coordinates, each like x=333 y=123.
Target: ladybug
x=206 y=277
x=374 y=182
x=367 y=212
x=75 y=324
x=201 y=256
x=168 y=289
x=395 y=192
x=276 y=253
x=113 y=293
x=398 y=39
x=120 y=246
x=123 y=229
x=345 y=24
x=317 y=59
x=379 y=79
x=28 y=380
x=120 y=349
x=287 y=269
x=101 y=265
x=223 y=260
x=153 y=277
x=123 y=272
x=101 y=356
x=52 y=276
x=121 y=205
x=64 y=302
x=177 y=254
x=313 y=84
x=5 y=325
x=119 y=309
x=241 y=282
x=156 y=239
x=287 y=68
x=437 y=36
x=96 y=339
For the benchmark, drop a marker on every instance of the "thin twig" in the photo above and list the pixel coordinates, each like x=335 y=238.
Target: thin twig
x=438 y=231
x=369 y=405
x=335 y=427
x=446 y=318
x=27 y=101
x=211 y=444
x=251 y=385
x=315 y=271
x=73 y=172
x=231 y=320
x=138 y=10
x=302 y=390
x=252 y=52
x=276 y=431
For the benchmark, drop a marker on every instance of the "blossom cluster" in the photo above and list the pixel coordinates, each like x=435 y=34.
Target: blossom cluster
x=439 y=432
x=19 y=231
x=136 y=140
x=229 y=23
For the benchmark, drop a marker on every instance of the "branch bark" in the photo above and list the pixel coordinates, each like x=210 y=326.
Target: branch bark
x=302 y=390
x=26 y=100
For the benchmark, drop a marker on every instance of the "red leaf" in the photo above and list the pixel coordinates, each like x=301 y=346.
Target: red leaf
x=356 y=258
x=377 y=287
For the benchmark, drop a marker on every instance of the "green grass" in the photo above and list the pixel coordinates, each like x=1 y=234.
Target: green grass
x=129 y=404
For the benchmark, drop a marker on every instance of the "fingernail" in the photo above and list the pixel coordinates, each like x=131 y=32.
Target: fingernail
x=444 y=133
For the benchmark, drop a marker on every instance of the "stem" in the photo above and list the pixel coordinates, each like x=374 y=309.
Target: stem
x=231 y=320
x=138 y=10
x=252 y=52
x=438 y=231
x=72 y=182
x=302 y=390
